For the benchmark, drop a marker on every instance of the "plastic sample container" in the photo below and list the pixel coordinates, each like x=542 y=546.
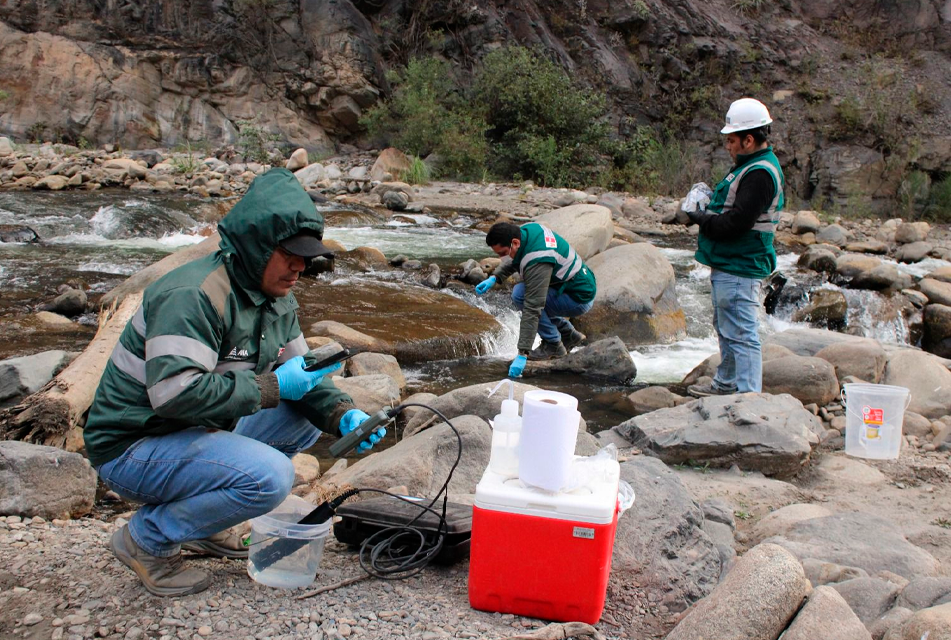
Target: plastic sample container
x=874 y=417
x=283 y=553
x=541 y=554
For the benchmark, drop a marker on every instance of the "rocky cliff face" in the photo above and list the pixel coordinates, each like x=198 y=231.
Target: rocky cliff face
x=861 y=89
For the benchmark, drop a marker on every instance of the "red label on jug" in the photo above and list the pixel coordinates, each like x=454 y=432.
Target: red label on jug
x=873 y=416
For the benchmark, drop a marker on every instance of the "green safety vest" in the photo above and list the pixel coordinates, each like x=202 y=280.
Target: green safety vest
x=570 y=274
x=750 y=255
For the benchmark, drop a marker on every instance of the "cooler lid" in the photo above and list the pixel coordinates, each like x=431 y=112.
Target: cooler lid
x=593 y=502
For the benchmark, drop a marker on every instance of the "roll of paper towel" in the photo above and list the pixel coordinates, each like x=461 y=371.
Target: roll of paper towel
x=547 y=444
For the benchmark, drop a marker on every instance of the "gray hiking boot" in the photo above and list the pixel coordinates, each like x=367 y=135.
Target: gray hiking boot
x=573 y=338
x=160 y=576
x=548 y=351
x=711 y=388
x=224 y=544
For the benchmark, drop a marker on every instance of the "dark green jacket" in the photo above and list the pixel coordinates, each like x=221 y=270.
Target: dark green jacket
x=545 y=260
x=201 y=348
x=751 y=254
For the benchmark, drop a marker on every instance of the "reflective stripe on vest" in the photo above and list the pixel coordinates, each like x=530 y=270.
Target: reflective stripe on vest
x=568 y=266
x=770 y=218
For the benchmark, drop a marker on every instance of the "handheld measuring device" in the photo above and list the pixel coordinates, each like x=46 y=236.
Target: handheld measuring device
x=361 y=432
x=324 y=360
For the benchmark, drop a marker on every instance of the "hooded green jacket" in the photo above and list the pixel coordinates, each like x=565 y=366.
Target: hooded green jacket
x=201 y=348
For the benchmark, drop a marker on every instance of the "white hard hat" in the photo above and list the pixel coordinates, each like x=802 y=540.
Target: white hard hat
x=746 y=113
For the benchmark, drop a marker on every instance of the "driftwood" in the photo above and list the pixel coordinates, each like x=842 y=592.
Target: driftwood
x=52 y=416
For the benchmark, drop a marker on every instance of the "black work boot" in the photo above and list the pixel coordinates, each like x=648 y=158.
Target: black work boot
x=573 y=338
x=703 y=390
x=224 y=544
x=160 y=576
x=547 y=351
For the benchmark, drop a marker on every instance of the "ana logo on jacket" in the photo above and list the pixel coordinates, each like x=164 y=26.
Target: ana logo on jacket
x=236 y=354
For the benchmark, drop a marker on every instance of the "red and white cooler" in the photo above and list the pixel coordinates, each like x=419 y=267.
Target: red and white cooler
x=541 y=554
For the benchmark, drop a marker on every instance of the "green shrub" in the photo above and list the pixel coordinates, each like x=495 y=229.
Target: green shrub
x=254 y=141
x=35 y=132
x=186 y=163
x=418 y=172
x=654 y=163
x=939 y=200
x=540 y=124
x=4 y=95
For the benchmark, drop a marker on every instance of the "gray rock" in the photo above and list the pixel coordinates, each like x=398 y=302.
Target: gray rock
x=780 y=521
x=70 y=303
x=364 y=364
x=805 y=222
x=604 y=359
x=806 y=379
x=636 y=299
x=395 y=200
x=869 y=598
x=6 y=146
x=709 y=366
x=861 y=540
x=654 y=398
x=311 y=175
x=722 y=536
x=867 y=246
x=826 y=307
x=938 y=292
x=833 y=234
x=19 y=377
x=894 y=618
x=409 y=413
x=908 y=232
x=913 y=252
x=761 y=432
x=370 y=392
x=661 y=539
x=884 y=276
x=925 y=376
x=850 y=265
x=826 y=616
x=718 y=510
x=915 y=425
x=422 y=461
x=817 y=258
x=431 y=276
x=820 y=572
x=44 y=481
x=17 y=233
x=808 y=341
x=412 y=265
x=922 y=593
x=864 y=360
x=588 y=228
x=933 y=623
x=755 y=601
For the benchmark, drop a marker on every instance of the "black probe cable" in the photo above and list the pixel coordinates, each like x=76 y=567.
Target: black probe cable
x=391 y=557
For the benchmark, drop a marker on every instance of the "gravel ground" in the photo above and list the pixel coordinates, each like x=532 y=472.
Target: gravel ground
x=59 y=580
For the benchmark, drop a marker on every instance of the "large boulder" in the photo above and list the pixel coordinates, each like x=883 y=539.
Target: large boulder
x=826 y=307
x=850 y=265
x=654 y=398
x=922 y=593
x=19 y=377
x=909 y=232
x=778 y=522
x=311 y=174
x=810 y=380
x=914 y=252
x=817 y=258
x=70 y=303
x=933 y=623
x=636 y=299
x=834 y=234
x=805 y=222
x=808 y=341
x=826 y=616
x=347 y=336
x=862 y=360
x=588 y=228
x=661 y=540
x=938 y=292
x=755 y=601
x=928 y=380
x=422 y=461
x=44 y=481
x=870 y=598
x=390 y=161
x=757 y=431
x=372 y=363
x=605 y=359
x=942 y=274
x=862 y=540
x=709 y=366
x=370 y=392
x=884 y=276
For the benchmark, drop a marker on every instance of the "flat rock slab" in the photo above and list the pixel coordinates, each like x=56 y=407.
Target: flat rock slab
x=860 y=540
x=42 y=481
x=826 y=616
x=761 y=432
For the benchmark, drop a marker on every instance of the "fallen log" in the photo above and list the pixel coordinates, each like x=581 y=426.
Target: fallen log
x=53 y=415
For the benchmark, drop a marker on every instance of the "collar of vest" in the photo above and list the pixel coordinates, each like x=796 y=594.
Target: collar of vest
x=742 y=159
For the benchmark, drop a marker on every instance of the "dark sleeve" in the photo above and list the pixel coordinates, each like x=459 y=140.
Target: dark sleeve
x=753 y=196
x=537 y=278
x=504 y=270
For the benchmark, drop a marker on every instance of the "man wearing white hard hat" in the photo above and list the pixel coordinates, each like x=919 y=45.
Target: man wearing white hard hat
x=736 y=242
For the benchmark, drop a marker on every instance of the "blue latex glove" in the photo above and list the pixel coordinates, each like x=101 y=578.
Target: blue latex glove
x=517 y=366
x=485 y=285
x=351 y=420
x=294 y=382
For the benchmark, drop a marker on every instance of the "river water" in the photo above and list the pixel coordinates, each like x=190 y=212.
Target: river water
x=102 y=237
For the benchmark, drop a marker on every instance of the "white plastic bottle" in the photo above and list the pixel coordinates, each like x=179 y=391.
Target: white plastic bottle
x=506 y=428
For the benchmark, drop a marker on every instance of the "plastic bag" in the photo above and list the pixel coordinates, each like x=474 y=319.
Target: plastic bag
x=592 y=469
x=698 y=198
x=625 y=496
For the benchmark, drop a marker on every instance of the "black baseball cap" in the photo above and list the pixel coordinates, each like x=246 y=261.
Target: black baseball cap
x=306 y=244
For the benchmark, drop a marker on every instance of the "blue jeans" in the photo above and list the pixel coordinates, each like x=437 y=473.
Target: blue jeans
x=735 y=316
x=554 y=317
x=197 y=482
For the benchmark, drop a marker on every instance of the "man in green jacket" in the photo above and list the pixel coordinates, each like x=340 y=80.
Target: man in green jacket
x=205 y=398
x=736 y=242
x=556 y=285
